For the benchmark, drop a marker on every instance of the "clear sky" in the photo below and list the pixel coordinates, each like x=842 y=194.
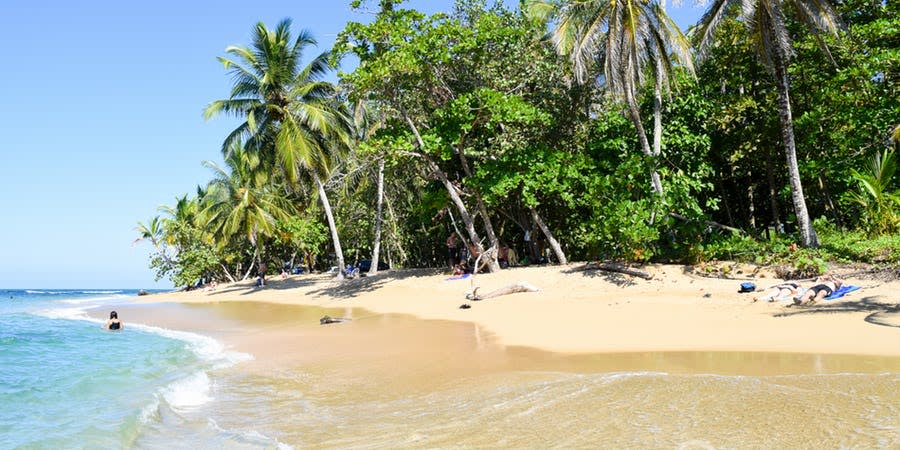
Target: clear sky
x=101 y=116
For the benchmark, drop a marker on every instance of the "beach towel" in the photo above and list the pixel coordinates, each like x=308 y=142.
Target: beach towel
x=842 y=291
x=459 y=277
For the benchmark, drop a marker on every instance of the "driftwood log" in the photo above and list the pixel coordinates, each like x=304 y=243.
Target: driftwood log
x=327 y=320
x=618 y=268
x=521 y=286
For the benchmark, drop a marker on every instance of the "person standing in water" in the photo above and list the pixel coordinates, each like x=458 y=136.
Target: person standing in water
x=114 y=324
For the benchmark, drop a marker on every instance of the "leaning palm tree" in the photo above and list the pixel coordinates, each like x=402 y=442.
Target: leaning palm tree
x=292 y=118
x=627 y=38
x=151 y=231
x=766 y=27
x=241 y=201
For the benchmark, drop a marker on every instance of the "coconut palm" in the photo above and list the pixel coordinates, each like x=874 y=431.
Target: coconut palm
x=241 y=201
x=181 y=217
x=292 y=118
x=627 y=38
x=765 y=21
x=151 y=231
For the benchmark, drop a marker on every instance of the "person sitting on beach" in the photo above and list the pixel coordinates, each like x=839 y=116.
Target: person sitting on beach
x=826 y=286
x=452 y=250
x=503 y=256
x=779 y=291
x=113 y=324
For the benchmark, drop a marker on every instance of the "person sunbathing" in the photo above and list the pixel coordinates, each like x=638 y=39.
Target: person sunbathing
x=826 y=286
x=784 y=290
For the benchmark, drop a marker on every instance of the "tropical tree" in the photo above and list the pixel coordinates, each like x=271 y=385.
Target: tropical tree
x=242 y=202
x=292 y=117
x=627 y=38
x=151 y=231
x=765 y=20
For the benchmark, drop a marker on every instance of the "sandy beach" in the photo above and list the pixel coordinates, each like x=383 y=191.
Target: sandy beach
x=603 y=312
x=592 y=357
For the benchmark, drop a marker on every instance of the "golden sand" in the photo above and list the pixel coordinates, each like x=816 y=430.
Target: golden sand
x=600 y=312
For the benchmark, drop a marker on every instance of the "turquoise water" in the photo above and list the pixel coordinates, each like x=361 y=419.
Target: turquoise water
x=66 y=383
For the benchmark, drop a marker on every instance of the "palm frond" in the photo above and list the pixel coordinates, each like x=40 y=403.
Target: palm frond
x=704 y=33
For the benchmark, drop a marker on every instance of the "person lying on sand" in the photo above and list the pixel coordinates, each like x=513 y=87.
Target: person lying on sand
x=826 y=285
x=784 y=290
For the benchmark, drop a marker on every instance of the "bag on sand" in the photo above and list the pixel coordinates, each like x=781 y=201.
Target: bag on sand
x=747 y=287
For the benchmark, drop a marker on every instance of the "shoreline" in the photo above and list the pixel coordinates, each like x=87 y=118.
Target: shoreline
x=595 y=312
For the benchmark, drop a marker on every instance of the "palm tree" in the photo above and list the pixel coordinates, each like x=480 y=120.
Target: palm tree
x=241 y=201
x=766 y=27
x=626 y=37
x=292 y=118
x=181 y=217
x=151 y=231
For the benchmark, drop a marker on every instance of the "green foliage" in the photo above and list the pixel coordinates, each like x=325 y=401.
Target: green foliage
x=879 y=204
x=837 y=247
x=502 y=118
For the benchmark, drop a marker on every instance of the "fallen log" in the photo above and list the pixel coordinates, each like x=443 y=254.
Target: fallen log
x=618 y=268
x=327 y=320
x=521 y=286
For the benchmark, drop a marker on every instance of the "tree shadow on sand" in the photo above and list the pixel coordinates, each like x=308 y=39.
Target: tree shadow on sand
x=619 y=279
x=881 y=313
x=351 y=288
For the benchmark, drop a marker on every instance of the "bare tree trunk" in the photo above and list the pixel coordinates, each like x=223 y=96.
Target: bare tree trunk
x=557 y=249
x=451 y=190
x=808 y=236
x=227 y=273
x=751 y=207
x=376 y=247
x=395 y=234
x=645 y=145
x=252 y=264
x=773 y=192
x=488 y=226
x=338 y=253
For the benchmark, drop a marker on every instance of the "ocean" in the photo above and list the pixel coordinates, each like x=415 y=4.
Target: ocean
x=66 y=383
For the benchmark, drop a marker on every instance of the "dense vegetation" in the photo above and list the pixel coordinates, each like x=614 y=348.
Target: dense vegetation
x=610 y=137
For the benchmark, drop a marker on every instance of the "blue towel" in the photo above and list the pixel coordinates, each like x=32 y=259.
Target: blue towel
x=459 y=277
x=842 y=291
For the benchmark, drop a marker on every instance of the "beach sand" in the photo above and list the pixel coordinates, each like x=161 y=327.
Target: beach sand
x=602 y=312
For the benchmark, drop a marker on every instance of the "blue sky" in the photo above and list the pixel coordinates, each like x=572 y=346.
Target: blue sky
x=101 y=122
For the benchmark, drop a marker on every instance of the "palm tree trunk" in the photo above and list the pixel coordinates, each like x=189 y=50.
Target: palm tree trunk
x=657 y=113
x=554 y=244
x=808 y=236
x=338 y=253
x=376 y=247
